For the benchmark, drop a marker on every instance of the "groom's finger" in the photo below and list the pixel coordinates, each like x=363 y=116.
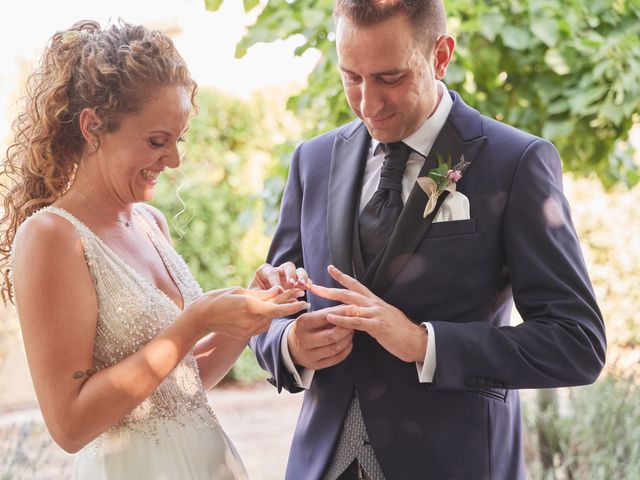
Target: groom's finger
x=356 y=323
x=340 y=295
x=332 y=336
x=330 y=354
x=348 y=282
x=334 y=360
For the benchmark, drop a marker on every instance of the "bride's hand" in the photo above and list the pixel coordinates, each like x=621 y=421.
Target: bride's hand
x=243 y=313
x=286 y=276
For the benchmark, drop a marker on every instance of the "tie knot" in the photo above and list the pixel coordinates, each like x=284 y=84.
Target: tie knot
x=395 y=161
x=396 y=147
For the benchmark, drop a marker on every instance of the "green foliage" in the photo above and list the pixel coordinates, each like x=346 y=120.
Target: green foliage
x=246 y=369
x=439 y=174
x=565 y=70
x=214 y=5
x=209 y=199
x=595 y=434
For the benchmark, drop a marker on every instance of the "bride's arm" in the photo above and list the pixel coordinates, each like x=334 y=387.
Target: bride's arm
x=57 y=307
x=216 y=354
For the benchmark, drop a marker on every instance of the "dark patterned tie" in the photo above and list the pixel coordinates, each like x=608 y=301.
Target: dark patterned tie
x=380 y=214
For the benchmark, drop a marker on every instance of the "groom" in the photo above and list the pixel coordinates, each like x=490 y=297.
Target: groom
x=411 y=370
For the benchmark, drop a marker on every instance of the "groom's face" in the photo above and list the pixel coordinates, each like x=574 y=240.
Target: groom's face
x=389 y=77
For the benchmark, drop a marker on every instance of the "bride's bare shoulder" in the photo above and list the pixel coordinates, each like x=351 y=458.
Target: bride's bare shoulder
x=48 y=234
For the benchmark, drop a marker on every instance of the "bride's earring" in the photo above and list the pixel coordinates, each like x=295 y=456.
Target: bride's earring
x=95 y=142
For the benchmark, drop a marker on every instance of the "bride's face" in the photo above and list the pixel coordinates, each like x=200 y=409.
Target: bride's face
x=132 y=158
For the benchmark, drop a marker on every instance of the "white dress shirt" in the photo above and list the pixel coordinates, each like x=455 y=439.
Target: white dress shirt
x=421 y=141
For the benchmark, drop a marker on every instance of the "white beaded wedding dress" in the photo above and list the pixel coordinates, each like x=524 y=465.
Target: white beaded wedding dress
x=173 y=434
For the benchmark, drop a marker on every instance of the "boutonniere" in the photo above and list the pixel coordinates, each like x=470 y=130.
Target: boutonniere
x=442 y=178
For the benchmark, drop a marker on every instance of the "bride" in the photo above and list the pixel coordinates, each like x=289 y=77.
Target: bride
x=121 y=341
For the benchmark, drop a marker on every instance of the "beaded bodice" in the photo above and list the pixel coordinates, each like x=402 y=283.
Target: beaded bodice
x=131 y=312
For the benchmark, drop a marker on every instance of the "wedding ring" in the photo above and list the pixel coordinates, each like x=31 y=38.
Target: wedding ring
x=357 y=311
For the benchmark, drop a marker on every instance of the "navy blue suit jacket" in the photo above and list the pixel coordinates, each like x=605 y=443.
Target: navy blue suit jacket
x=462 y=276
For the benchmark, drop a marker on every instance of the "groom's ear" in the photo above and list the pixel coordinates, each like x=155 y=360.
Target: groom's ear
x=442 y=54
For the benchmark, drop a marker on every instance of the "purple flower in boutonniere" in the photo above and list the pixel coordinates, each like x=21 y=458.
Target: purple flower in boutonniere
x=442 y=178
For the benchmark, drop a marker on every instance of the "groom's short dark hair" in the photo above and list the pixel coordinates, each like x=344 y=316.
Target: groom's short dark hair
x=427 y=16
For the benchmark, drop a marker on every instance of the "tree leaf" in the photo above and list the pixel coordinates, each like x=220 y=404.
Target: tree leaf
x=556 y=61
x=212 y=5
x=584 y=99
x=545 y=29
x=491 y=24
x=553 y=129
x=516 y=38
x=250 y=4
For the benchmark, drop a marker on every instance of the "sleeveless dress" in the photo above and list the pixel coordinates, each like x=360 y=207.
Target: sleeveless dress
x=173 y=434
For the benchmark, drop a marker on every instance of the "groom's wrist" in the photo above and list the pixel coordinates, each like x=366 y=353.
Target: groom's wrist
x=421 y=340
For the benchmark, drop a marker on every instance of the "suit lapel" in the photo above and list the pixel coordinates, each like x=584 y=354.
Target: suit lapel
x=411 y=226
x=345 y=182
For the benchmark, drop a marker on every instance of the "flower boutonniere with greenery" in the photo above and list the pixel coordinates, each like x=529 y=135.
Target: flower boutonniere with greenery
x=442 y=178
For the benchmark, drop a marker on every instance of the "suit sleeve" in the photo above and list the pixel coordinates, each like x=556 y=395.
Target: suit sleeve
x=562 y=339
x=286 y=246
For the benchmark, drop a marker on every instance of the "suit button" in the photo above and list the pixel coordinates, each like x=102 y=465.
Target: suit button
x=470 y=381
x=489 y=383
x=480 y=382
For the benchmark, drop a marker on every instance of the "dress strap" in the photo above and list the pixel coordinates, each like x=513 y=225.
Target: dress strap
x=61 y=212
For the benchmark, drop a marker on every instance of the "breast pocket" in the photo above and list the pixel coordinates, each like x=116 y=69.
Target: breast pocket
x=435 y=266
x=452 y=228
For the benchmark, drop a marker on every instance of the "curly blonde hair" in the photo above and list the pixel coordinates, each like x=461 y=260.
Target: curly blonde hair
x=110 y=70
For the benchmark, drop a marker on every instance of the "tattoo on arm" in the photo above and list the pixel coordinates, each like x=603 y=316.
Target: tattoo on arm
x=83 y=373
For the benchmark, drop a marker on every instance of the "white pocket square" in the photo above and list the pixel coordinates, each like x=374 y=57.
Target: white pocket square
x=454 y=207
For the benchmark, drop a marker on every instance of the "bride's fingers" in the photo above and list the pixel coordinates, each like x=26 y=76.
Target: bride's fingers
x=285 y=309
x=275 y=310
x=303 y=278
x=267 y=276
x=288 y=269
x=288 y=296
x=263 y=295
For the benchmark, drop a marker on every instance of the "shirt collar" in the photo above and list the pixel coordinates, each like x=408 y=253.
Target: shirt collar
x=423 y=139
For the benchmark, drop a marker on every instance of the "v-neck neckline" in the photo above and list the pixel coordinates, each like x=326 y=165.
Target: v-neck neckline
x=133 y=271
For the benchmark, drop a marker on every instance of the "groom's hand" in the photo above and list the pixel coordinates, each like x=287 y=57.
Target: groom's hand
x=316 y=343
x=367 y=312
